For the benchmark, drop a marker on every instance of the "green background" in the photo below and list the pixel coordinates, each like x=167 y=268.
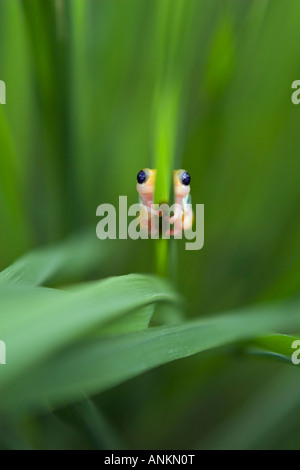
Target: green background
x=97 y=90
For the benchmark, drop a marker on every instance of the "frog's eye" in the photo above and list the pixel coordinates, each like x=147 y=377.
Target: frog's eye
x=185 y=178
x=141 y=177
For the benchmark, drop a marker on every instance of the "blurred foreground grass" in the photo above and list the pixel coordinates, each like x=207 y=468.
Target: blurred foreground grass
x=97 y=90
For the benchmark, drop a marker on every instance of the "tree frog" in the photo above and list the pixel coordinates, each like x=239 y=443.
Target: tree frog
x=182 y=218
x=145 y=186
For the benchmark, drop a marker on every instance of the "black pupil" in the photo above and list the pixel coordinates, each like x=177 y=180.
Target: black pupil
x=186 y=179
x=141 y=177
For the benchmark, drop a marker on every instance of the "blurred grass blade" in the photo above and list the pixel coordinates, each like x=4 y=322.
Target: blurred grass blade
x=171 y=19
x=66 y=260
x=36 y=322
x=138 y=320
x=14 y=226
x=254 y=424
x=87 y=417
x=275 y=346
x=92 y=366
x=46 y=23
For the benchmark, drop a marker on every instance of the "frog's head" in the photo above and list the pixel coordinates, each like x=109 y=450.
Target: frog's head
x=146 y=184
x=182 y=181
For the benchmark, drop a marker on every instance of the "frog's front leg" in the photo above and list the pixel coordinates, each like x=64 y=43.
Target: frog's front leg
x=182 y=223
x=147 y=219
x=178 y=212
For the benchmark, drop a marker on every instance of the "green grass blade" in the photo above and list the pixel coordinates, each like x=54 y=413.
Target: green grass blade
x=92 y=365
x=14 y=226
x=274 y=346
x=86 y=416
x=66 y=260
x=259 y=418
x=36 y=322
x=138 y=320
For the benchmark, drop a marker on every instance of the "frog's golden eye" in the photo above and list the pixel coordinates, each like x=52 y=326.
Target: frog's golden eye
x=182 y=177
x=141 y=177
x=185 y=178
x=146 y=175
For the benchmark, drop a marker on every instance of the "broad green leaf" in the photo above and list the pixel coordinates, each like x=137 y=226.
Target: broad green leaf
x=36 y=322
x=66 y=260
x=276 y=346
x=138 y=320
x=91 y=366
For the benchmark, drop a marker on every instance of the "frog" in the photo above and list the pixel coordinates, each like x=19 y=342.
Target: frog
x=182 y=218
x=145 y=187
